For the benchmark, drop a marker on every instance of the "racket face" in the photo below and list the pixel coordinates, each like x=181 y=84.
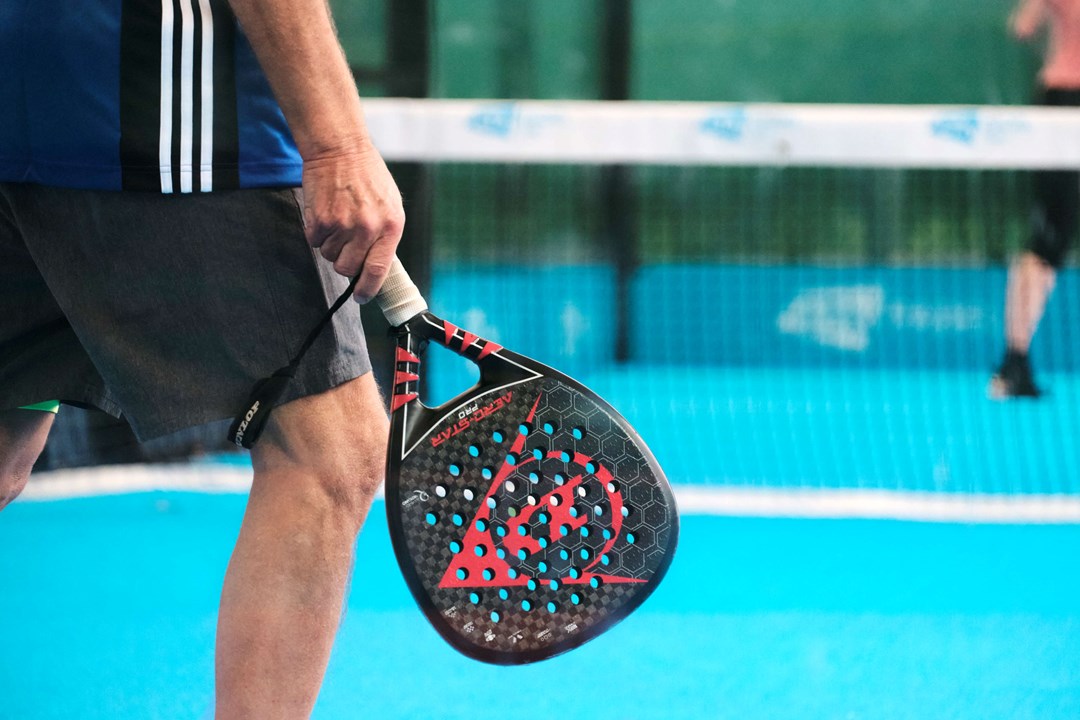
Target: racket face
x=526 y=514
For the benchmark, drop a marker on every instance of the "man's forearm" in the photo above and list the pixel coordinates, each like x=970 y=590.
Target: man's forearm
x=298 y=50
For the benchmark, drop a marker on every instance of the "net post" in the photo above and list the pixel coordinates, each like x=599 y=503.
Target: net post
x=619 y=233
x=407 y=74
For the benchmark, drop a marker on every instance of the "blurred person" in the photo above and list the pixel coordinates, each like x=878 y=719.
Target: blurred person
x=1033 y=273
x=180 y=199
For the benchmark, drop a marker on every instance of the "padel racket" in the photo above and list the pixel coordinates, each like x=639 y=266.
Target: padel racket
x=526 y=514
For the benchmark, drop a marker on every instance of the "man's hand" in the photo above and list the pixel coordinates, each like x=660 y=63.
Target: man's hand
x=1027 y=19
x=353 y=214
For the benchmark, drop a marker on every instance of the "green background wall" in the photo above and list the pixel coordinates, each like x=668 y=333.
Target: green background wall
x=848 y=51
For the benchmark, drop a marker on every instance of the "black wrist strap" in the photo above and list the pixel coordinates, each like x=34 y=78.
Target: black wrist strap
x=250 y=422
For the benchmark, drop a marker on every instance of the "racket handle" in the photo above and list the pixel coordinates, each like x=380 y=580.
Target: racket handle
x=399 y=299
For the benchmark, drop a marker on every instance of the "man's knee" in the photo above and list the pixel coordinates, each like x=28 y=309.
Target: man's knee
x=22 y=437
x=335 y=440
x=12 y=482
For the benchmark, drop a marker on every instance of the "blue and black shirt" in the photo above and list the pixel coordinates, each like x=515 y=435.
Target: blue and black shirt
x=159 y=95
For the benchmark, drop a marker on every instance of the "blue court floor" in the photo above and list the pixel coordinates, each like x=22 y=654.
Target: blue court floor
x=108 y=612
x=931 y=431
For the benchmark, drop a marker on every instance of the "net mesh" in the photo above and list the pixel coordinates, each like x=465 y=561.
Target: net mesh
x=817 y=325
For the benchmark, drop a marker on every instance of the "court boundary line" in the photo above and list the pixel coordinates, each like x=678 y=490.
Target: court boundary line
x=793 y=503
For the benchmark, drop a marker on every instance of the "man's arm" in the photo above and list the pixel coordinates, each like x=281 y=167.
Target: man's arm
x=352 y=208
x=1027 y=18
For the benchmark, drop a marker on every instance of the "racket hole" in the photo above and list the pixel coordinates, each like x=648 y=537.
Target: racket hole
x=542 y=542
x=532 y=584
x=564 y=554
x=538 y=453
x=595 y=582
x=475 y=598
x=575 y=598
x=501 y=554
x=512 y=511
x=454 y=469
x=487 y=472
x=431 y=518
x=550 y=428
x=542 y=566
x=498 y=436
x=458 y=519
x=523 y=529
x=585 y=531
x=481 y=550
x=591 y=467
x=582 y=491
x=475 y=450
x=554 y=584
x=510 y=486
x=462 y=574
x=627 y=511
x=613 y=487
x=526 y=605
x=575 y=572
x=564 y=530
x=535 y=477
x=553 y=607
x=630 y=539
x=488 y=574
x=504 y=594
x=440 y=491
x=543 y=518
x=525 y=428
x=606 y=534
x=500 y=530
x=523 y=554
x=512 y=573
x=586 y=554
x=512 y=459
x=555 y=501
x=578 y=432
x=531 y=500
x=566 y=455
x=559 y=478
x=469 y=494
x=495 y=616
x=455 y=547
x=598 y=510
x=605 y=559
x=492 y=502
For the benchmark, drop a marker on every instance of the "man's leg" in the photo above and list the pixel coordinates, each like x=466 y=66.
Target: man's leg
x=22 y=438
x=317 y=467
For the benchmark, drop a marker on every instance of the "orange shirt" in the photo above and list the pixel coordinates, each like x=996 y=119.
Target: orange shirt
x=1062 y=67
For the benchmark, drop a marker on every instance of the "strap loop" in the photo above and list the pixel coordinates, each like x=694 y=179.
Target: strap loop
x=247 y=426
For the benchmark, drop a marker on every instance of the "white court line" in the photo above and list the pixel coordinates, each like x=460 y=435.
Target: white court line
x=692 y=500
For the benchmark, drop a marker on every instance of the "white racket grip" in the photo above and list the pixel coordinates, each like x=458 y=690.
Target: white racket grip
x=398 y=298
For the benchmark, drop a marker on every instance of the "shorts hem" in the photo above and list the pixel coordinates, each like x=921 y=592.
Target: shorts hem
x=338 y=374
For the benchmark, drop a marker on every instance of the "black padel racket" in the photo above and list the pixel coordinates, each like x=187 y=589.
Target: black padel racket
x=526 y=514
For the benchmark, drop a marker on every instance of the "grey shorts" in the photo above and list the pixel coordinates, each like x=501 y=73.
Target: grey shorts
x=163 y=308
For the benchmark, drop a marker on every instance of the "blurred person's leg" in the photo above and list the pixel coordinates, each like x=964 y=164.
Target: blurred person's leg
x=1031 y=280
x=281 y=605
x=1032 y=277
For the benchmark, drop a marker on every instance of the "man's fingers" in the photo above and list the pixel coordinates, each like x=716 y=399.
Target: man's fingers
x=376 y=268
x=351 y=259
